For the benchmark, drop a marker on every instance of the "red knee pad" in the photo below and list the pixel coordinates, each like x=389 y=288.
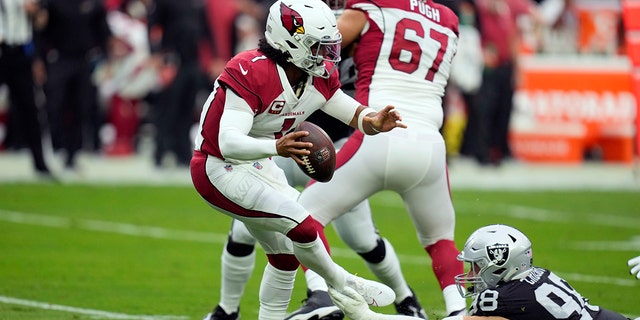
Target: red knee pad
x=306 y=231
x=286 y=262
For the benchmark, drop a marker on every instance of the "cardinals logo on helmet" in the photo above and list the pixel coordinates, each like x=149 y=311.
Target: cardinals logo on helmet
x=291 y=20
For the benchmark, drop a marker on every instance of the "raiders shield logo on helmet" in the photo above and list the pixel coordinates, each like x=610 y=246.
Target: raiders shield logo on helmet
x=498 y=253
x=291 y=20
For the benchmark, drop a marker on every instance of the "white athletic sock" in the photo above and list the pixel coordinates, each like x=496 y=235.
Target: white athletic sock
x=235 y=274
x=388 y=272
x=314 y=256
x=314 y=281
x=452 y=299
x=275 y=293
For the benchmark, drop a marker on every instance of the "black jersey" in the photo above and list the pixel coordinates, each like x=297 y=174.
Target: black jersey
x=541 y=295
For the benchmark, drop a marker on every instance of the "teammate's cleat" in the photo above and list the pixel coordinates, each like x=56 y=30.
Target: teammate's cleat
x=374 y=293
x=411 y=307
x=219 y=314
x=317 y=306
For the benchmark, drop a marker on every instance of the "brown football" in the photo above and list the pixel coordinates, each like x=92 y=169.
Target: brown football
x=321 y=163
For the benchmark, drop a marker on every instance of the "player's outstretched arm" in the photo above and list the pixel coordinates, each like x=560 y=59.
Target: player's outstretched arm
x=355 y=308
x=371 y=122
x=634 y=265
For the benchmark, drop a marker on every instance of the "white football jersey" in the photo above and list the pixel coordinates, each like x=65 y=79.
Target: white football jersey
x=414 y=42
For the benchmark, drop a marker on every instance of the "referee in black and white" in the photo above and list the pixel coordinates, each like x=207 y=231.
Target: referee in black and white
x=17 y=53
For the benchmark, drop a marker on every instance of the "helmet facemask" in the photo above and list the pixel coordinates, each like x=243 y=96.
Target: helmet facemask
x=471 y=283
x=323 y=58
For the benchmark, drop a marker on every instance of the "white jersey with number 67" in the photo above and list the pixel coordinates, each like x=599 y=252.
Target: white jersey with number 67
x=415 y=43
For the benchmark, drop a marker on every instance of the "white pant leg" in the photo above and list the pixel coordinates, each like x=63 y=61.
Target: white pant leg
x=240 y=234
x=359 y=218
x=429 y=203
x=260 y=197
x=351 y=184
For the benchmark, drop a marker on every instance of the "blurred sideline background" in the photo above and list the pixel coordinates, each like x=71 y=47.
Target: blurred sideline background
x=573 y=123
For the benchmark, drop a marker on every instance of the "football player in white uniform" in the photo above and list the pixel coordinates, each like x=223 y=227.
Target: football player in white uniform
x=403 y=54
x=504 y=284
x=238 y=256
x=260 y=97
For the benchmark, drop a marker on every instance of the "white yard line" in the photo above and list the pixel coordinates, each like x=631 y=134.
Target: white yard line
x=91 y=312
x=545 y=215
x=217 y=238
x=154 y=232
x=598 y=279
x=111 y=227
x=393 y=201
x=463 y=173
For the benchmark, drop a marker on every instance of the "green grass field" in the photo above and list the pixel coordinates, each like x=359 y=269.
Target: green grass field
x=139 y=252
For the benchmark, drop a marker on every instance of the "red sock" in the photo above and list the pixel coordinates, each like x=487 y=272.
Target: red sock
x=444 y=262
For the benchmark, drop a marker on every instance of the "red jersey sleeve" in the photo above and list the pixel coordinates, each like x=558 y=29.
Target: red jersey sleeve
x=252 y=77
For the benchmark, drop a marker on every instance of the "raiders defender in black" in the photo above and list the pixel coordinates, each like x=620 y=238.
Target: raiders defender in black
x=503 y=281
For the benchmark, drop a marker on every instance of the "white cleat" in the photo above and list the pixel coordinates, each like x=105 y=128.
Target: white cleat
x=374 y=293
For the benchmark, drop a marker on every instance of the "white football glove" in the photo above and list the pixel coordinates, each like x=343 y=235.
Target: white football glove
x=356 y=308
x=352 y=303
x=634 y=264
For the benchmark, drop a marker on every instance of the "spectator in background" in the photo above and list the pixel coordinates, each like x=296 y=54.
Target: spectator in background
x=560 y=18
x=126 y=77
x=175 y=31
x=235 y=25
x=75 y=37
x=17 y=54
x=466 y=76
x=500 y=37
x=467 y=66
x=551 y=11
